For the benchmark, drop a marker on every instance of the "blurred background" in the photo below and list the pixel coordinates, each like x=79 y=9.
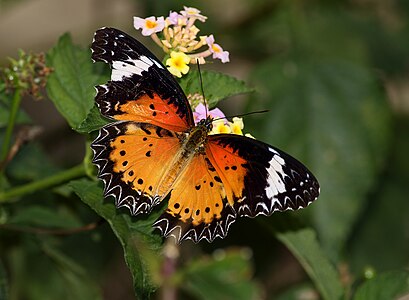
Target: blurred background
x=334 y=75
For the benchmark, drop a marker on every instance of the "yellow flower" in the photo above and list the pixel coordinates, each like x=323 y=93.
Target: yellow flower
x=237 y=126
x=178 y=63
x=220 y=127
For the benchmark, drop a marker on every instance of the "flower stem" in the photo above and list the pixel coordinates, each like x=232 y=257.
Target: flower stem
x=156 y=39
x=42 y=184
x=15 y=104
x=205 y=53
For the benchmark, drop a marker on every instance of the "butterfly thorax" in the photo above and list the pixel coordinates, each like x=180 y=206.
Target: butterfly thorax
x=197 y=136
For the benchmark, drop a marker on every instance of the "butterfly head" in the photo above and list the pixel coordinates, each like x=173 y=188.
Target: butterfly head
x=206 y=123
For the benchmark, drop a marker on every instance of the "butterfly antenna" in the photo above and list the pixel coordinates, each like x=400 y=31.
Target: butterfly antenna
x=201 y=86
x=243 y=115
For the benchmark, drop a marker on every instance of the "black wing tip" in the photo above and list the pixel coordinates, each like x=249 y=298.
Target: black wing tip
x=102 y=37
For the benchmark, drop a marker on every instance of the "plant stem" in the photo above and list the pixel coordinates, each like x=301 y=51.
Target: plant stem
x=15 y=104
x=45 y=183
x=171 y=255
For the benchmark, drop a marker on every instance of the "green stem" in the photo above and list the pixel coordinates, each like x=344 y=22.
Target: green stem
x=15 y=104
x=45 y=183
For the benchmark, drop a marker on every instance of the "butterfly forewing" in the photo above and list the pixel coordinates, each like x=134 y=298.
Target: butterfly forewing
x=263 y=179
x=141 y=89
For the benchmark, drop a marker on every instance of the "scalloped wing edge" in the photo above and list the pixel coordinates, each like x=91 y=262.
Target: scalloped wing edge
x=135 y=201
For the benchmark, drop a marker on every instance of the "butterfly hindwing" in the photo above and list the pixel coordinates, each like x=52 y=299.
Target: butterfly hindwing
x=131 y=158
x=141 y=89
x=259 y=178
x=197 y=207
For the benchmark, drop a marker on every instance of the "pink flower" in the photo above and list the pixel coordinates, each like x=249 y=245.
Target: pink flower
x=174 y=18
x=149 y=25
x=200 y=113
x=217 y=50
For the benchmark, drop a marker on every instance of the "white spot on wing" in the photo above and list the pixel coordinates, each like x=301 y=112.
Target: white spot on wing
x=275 y=184
x=129 y=67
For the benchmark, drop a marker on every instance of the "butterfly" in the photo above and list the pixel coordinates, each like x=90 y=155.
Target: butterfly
x=153 y=151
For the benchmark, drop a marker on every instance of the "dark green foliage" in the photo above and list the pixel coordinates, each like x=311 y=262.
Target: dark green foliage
x=71 y=85
x=141 y=247
x=347 y=100
x=226 y=275
x=390 y=285
x=216 y=86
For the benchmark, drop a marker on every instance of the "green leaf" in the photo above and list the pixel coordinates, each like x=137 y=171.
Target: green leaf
x=38 y=260
x=140 y=245
x=390 y=285
x=304 y=245
x=225 y=276
x=93 y=121
x=3 y=283
x=216 y=86
x=31 y=163
x=331 y=115
x=43 y=216
x=79 y=285
x=386 y=214
x=71 y=84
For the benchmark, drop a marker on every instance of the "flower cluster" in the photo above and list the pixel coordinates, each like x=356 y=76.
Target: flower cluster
x=28 y=74
x=220 y=122
x=177 y=35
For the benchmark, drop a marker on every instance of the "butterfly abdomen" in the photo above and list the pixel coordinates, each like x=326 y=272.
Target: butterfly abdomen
x=192 y=143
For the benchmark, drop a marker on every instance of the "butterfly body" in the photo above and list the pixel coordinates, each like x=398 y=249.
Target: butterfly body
x=153 y=151
x=192 y=143
x=196 y=138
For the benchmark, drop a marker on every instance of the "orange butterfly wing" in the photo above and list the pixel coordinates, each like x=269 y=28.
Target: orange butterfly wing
x=197 y=207
x=141 y=89
x=132 y=159
x=237 y=176
x=260 y=179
